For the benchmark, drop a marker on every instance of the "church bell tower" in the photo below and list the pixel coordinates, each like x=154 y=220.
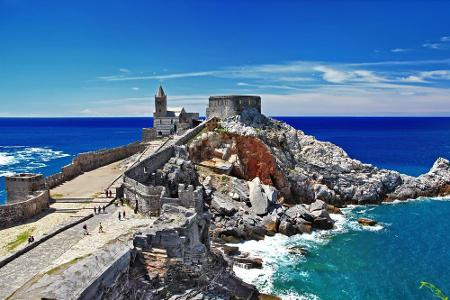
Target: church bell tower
x=160 y=103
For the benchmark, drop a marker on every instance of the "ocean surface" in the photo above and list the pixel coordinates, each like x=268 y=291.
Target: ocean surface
x=410 y=245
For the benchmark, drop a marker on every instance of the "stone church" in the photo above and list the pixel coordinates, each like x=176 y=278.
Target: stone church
x=171 y=120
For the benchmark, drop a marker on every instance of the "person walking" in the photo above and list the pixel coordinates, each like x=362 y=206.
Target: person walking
x=99 y=209
x=104 y=209
x=85 y=229
x=119 y=216
x=95 y=210
x=100 y=228
x=123 y=214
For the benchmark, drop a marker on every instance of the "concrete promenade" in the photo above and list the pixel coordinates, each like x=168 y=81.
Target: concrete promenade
x=74 y=199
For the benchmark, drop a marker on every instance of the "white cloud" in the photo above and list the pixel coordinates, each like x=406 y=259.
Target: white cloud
x=445 y=39
x=135 y=88
x=429 y=75
x=123 y=70
x=332 y=75
x=432 y=45
x=397 y=50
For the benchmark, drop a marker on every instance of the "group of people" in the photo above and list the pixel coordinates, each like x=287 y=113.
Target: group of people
x=30 y=239
x=99 y=209
x=86 y=232
x=108 y=193
x=121 y=215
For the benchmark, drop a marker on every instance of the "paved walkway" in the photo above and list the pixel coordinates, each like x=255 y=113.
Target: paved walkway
x=79 y=196
x=75 y=199
x=68 y=245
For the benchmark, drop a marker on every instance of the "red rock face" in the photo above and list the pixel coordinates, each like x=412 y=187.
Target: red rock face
x=256 y=159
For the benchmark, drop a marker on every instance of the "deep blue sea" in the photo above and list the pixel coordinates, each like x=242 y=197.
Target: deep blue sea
x=410 y=245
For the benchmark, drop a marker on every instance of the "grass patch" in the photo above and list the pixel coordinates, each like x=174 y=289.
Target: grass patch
x=225 y=179
x=65 y=266
x=56 y=196
x=20 y=239
x=96 y=195
x=220 y=129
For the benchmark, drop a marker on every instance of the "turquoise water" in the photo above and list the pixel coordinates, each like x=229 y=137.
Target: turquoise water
x=409 y=245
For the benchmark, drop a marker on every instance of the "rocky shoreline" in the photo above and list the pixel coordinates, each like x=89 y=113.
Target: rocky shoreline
x=235 y=180
x=262 y=177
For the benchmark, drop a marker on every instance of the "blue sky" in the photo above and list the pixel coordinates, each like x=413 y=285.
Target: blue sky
x=106 y=58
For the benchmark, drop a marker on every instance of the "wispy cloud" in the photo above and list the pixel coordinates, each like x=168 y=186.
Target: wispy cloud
x=135 y=88
x=429 y=75
x=432 y=45
x=398 y=50
x=332 y=75
x=123 y=70
x=445 y=39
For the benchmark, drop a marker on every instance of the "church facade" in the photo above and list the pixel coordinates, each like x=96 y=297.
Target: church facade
x=170 y=120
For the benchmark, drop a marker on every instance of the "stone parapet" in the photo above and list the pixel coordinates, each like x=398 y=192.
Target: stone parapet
x=21 y=211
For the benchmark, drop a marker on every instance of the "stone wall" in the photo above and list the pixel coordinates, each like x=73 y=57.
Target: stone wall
x=20 y=186
x=21 y=211
x=228 y=106
x=148 y=134
x=137 y=186
x=89 y=161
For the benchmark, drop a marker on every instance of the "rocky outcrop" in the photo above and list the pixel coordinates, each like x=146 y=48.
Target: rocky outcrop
x=320 y=170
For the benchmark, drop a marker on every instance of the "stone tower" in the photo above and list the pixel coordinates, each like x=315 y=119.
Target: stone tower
x=160 y=103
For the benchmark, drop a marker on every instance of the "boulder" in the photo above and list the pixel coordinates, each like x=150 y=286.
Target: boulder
x=271 y=193
x=367 y=222
x=271 y=222
x=223 y=204
x=322 y=219
x=298 y=250
x=230 y=250
x=317 y=205
x=299 y=211
x=249 y=262
x=287 y=228
x=258 y=200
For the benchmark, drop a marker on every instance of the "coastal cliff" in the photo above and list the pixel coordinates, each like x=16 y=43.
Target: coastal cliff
x=263 y=176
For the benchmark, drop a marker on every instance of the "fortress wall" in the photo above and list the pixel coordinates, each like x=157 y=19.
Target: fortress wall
x=20 y=186
x=137 y=188
x=228 y=106
x=89 y=161
x=190 y=134
x=21 y=211
x=142 y=171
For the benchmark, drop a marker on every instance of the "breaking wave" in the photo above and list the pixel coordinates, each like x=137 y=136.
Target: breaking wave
x=16 y=159
x=275 y=253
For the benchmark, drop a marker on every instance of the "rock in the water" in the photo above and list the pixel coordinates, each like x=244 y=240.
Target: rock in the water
x=298 y=250
x=299 y=211
x=287 y=228
x=230 y=250
x=367 y=222
x=317 y=205
x=322 y=219
x=259 y=201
